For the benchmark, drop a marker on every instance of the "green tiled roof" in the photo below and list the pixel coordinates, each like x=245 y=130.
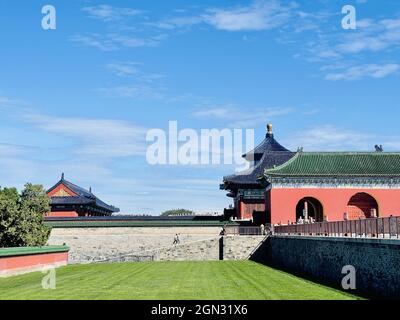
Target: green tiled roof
x=339 y=164
x=24 y=251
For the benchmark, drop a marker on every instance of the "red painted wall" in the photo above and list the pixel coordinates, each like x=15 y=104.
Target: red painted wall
x=21 y=262
x=334 y=202
x=62 y=214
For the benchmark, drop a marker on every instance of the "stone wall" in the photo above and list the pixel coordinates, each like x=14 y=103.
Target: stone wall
x=240 y=247
x=151 y=243
x=226 y=248
x=376 y=261
x=192 y=251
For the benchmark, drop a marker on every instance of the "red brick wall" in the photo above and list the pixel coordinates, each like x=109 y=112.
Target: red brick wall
x=334 y=202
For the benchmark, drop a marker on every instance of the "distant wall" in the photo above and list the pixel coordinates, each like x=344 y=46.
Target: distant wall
x=219 y=248
x=151 y=243
x=15 y=261
x=376 y=261
x=95 y=244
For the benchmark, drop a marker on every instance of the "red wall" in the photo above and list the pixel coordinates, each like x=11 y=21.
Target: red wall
x=9 y=264
x=62 y=214
x=334 y=202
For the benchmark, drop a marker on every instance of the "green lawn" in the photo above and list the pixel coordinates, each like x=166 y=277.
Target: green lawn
x=224 y=280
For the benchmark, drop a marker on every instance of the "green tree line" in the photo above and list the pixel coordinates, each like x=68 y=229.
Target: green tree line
x=177 y=212
x=21 y=216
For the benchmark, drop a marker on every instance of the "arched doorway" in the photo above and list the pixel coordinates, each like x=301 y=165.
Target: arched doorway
x=363 y=206
x=312 y=207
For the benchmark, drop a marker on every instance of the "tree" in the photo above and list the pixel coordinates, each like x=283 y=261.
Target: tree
x=21 y=216
x=177 y=212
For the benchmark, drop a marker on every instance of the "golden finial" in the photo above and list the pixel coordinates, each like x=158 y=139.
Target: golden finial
x=269 y=128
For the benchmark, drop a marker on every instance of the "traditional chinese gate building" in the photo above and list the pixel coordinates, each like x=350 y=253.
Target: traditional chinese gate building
x=334 y=186
x=249 y=196
x=283 y=186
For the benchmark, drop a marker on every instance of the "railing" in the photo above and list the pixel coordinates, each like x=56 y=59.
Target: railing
x=246 y=231
x=375 y=228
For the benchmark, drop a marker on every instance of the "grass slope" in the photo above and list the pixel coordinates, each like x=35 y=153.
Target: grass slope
x=224 y=280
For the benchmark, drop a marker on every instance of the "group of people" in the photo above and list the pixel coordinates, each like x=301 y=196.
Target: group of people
x=301 y=220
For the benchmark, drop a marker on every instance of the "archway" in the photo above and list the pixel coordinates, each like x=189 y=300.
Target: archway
x=362 y=205
x=313 y=207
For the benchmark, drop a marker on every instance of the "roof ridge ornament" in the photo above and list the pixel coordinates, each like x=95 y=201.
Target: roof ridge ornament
x=269 y=130
x=62 y=176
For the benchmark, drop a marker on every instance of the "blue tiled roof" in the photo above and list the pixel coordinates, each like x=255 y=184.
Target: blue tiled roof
x=269 y=144
x=268 y=154
x=83 y=197
x=250 y=176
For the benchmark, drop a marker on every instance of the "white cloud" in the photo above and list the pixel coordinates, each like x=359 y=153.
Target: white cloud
x=114 y=41
x=176 y=22
x=132 y=69
x=96 y=137
x=94 y=40
x=8 y=103
x=334 y=138
x=360 y=49
x=123 y=69
x=329 y=138
x=242 y=119
x=12 y=150
x=110 y=13
x=219 y=112
x=143 y=85
x=372 y=36
x=261 y=15
x=138 y=91
x=364 y=71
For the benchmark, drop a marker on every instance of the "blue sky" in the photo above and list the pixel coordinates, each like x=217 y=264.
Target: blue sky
x=80 y=99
